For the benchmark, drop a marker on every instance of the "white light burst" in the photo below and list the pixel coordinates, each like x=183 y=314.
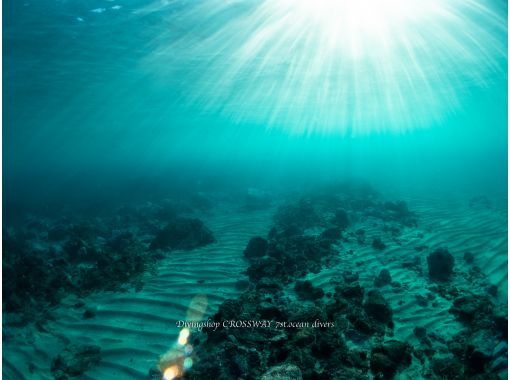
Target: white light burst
x=332 y=66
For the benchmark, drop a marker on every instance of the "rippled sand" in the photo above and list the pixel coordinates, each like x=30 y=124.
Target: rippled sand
x=135 y=328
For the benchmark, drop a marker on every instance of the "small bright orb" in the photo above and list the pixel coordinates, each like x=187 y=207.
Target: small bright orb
x=188 y=349
x=171 y=373
x=183 y=337
x=188 y=363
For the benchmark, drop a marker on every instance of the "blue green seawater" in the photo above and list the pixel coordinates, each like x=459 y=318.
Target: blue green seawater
x=109 y=102
x=100 y=91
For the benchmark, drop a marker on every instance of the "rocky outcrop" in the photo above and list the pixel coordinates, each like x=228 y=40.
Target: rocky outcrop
x=440 y=264
x=183 y=233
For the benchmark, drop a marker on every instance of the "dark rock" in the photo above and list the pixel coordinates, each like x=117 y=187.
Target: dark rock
x=384 y=278
x=332 y=234
x=420 y=332
x=389 y=358
x=382 y=367
x=34 y=281
x=257 y=247
x=361 y=322
x=306 y=291
x=183 y=233
x=253 y=358
x=399 y=207
x=440 y=264
x=341 y=219
x=352 y=291
x=229 y=309
x=268 y=285
x=269 y=311
x=500 y=320
x=492 y=290
x=378 y=244
x=89 y=313
x=265 y=267
x=304 y=337
x=448 y=368
x=299 y=312
x=78 y=250
x=479 y=351
x=377 y=307
x=237 y=365
x=276 y=252
x=74 y=361
x=349 y=276
x=421 y=300
x=469 y=257
x=154 y=374
x=398 y=211
x=471 y=308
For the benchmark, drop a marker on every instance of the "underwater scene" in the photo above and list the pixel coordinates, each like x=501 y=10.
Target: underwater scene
x=255 y=189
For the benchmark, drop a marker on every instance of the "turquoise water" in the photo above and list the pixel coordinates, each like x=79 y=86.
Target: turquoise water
x=90 y=88
x=116 y=108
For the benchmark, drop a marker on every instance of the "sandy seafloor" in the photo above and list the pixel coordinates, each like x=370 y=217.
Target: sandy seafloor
x=135 y=328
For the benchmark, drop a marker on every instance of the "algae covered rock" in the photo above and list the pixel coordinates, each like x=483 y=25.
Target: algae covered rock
x=257 y=247
x=378 y=244
x=283 y=372
x=472 y=309
x=74 y=360
x=447 y=368
x=479 y=351
x=183 y=233
x=384 y=278
x=389 y=358
x=441 y=264
x=341 y=219
x=378 y=308
x=306 y=291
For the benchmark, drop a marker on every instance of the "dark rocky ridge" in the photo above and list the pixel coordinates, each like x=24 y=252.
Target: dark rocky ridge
x=278 y=291
x=46 y=261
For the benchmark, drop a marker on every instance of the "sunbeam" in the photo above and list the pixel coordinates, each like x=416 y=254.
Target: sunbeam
x=326 y=66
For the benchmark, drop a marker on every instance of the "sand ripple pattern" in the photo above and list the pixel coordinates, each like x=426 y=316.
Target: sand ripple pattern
x=135 y=328
x=452 y=224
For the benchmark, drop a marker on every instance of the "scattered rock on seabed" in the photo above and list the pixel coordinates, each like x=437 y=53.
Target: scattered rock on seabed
x=440 y=263
x=359 y=345
x=46 y=259
x=74 y=360
x=277 y=268
x=257 y=247
x=384 y=278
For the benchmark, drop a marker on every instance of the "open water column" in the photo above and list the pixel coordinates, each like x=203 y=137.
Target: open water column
x=255 y=189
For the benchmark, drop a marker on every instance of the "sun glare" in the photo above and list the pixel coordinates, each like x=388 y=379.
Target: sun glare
x=333 y=66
